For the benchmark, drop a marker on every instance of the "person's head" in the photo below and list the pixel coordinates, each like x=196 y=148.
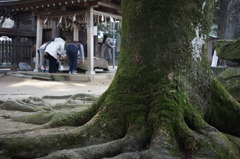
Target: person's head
x=60 y=39
x=64 y=38
x=105 y=36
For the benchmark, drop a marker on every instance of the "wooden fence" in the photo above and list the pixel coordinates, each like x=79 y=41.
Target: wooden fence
x=13 y=52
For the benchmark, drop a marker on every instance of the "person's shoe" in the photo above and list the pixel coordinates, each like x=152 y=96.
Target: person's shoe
x=74 y=72
x=70 y=72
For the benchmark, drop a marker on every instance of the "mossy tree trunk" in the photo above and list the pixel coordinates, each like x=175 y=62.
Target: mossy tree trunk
x=161 y=101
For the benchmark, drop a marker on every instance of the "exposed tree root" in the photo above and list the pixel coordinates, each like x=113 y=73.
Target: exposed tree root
x=235 y=141
x=57 y=97
x=71 y=117
x=127 y=144
x=45 y=143
x=224 y=112
x=53 y=116
x=171 y=128
x=32 y=104
x=127 y=155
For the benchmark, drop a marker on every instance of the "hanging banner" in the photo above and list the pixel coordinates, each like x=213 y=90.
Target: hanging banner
x=103 y=14
x=111 y=20
x=102 y=19
x=45 y=21
x=95 y=30
x=74 y=18
x=60 y=21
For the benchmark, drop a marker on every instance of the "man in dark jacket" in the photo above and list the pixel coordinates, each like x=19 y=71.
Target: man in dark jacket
x=73 y=50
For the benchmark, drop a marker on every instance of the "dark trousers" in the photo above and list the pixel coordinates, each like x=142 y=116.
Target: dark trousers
x=72 y=53
x=52 y=64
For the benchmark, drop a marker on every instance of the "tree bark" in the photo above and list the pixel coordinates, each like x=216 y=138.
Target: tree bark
x=160 y=100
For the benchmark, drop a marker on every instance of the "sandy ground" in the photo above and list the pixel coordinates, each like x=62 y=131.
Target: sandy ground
x=12 y=88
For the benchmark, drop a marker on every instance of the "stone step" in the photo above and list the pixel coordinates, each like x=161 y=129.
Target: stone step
x=42 y=78
x=81 y=77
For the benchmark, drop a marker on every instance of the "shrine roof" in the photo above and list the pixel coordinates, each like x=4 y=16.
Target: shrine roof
x=9 y=8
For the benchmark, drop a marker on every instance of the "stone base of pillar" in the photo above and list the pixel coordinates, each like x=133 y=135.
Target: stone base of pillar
x=35 y=70
x=90 y=73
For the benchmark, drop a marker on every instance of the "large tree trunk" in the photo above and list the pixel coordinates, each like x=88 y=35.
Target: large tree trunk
x=160 y=101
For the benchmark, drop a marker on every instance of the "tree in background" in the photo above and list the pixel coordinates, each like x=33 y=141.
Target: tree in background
x=162 y=103
x=108 y=28
x=229 y=19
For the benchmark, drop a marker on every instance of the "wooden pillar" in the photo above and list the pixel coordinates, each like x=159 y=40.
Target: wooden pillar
x=90 y=52
x=38 y=41
x=54 y=29
x=75 y=32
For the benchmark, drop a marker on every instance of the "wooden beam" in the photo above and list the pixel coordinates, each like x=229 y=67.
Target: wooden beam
x=38 y=41
x=75 y=32
x=110 y=5
x=107 y=14
x=39 y=5
x=16 y=32
x=58 y=13
x=80 y=7
x=14 y=3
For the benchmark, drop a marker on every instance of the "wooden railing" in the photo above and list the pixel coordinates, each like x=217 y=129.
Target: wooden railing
x=6 y=53
x=13 y=52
